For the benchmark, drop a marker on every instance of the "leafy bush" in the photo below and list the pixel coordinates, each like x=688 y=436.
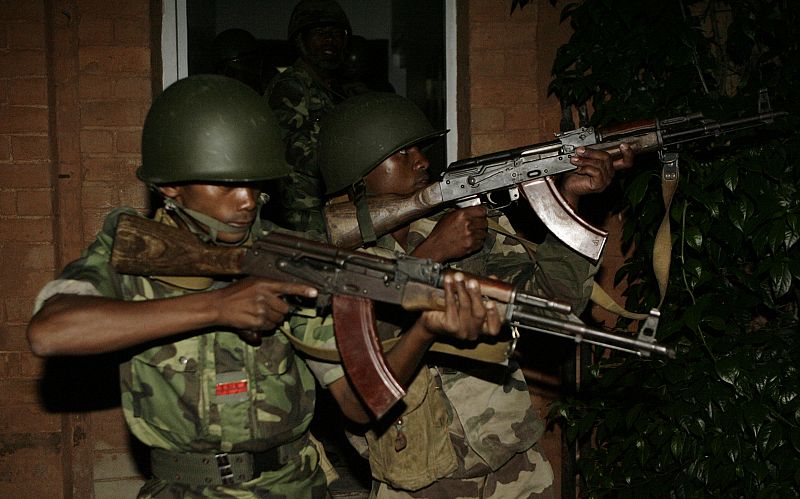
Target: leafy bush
x=723 y=419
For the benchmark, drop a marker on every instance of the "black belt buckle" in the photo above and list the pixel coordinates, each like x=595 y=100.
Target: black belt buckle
x=224 y=466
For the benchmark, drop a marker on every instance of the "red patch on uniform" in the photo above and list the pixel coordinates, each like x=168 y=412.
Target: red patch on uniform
x=231 y=388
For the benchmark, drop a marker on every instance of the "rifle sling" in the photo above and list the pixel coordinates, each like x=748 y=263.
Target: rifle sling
x=496 y=353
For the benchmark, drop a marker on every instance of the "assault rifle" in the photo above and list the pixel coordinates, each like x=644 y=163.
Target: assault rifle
x=349 y=282
x=528 y=172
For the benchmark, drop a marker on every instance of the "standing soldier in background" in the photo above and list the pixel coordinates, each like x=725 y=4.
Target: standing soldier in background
x=300 y=96
x=236 y=53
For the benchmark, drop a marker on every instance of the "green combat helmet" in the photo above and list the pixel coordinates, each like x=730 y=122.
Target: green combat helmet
x=209 y=129
x=359 y=134
x=308 y=13
x=364 y=130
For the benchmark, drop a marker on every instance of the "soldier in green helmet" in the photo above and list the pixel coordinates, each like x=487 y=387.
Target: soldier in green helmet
x=236 y=53
x=222 y=418
x=300 y=96
x=467 y=428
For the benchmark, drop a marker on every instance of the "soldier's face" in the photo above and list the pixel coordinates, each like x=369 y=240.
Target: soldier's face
x=233 y=204
x=404 y=172
x=324 y=46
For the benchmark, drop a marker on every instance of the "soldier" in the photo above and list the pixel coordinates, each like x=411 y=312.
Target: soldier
x=222 y=418
x=467 y=429
x=193 y=391
x=236 y=53
x=300 y=96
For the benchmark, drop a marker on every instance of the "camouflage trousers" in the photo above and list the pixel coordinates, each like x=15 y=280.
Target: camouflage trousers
x=526 y=475
x=302 y=477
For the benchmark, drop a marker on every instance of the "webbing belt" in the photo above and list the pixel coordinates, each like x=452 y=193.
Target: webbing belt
x=221 y=468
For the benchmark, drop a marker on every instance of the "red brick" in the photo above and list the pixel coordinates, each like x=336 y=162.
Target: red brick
x=128 y=141
x=110 y=429
x=31 y=465
x=487 y=63
x=100 y=170
x=30 y=147
x=92 y=222
x=502 y=92
x=113 y=113
x=25 y=35
x=110 y=60
x=502 y=35
x=35 y=203
x=481 y=10
x=96 y=31
x=493 y=142
x=28 y=419
x=104 y=8
x=132 y=89
x=27 y=230
x=131 y=33
x=97 y=141
x=4 y=91
x=134 y=195
x=22 y=119
x=487 y=119
x=521 y=63
x=22 y=10
x=100 y=196
x=18 y=391
x=18 y=310
x=26 y=256
x=8 y=205
x=18 y=63
x=5 y=148
x=95 y=87
x=20 y=364
x=25 y=176
x=12 y=337
x=524 y=116
x=3 y=35
x=28 y=91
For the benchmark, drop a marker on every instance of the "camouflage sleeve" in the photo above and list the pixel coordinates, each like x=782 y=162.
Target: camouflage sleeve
x=550 y=268
x=287 y=98
x=316 y=331
x=92 y=273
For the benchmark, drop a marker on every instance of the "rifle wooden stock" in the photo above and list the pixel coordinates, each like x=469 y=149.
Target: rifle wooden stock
x=388 y=212
x=144 y=247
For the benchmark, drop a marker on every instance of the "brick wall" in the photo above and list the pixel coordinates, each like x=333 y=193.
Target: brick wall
x=75 y=84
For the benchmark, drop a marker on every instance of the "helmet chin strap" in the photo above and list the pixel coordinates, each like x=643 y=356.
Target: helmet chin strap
x=212 y=227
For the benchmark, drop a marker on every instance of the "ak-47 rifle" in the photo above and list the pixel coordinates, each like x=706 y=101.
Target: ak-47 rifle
x=529 y=172
x=349 y=282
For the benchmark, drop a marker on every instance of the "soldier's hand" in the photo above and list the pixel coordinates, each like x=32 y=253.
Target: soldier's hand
x=459 y=233
x=595 y=172
x=257 y=304
x=467 y=315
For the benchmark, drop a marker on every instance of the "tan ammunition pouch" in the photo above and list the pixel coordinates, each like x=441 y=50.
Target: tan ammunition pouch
x=428 y=453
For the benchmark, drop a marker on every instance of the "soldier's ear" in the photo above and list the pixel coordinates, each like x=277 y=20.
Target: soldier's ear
x=171 y=192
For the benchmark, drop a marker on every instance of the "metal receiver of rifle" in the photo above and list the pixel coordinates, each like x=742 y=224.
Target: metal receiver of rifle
x=349 y=282
x=528 y=172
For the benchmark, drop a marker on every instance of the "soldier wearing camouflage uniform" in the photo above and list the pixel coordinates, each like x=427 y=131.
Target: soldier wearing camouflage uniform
x=222 y=418
x=300 y=96
x=477 y=427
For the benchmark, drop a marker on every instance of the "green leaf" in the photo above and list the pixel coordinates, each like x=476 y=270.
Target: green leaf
x=693 y=237
x=780 y=278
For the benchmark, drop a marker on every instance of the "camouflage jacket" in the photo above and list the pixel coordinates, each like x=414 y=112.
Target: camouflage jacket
x=489 y=408
x=299 y=100
x=208 y=392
